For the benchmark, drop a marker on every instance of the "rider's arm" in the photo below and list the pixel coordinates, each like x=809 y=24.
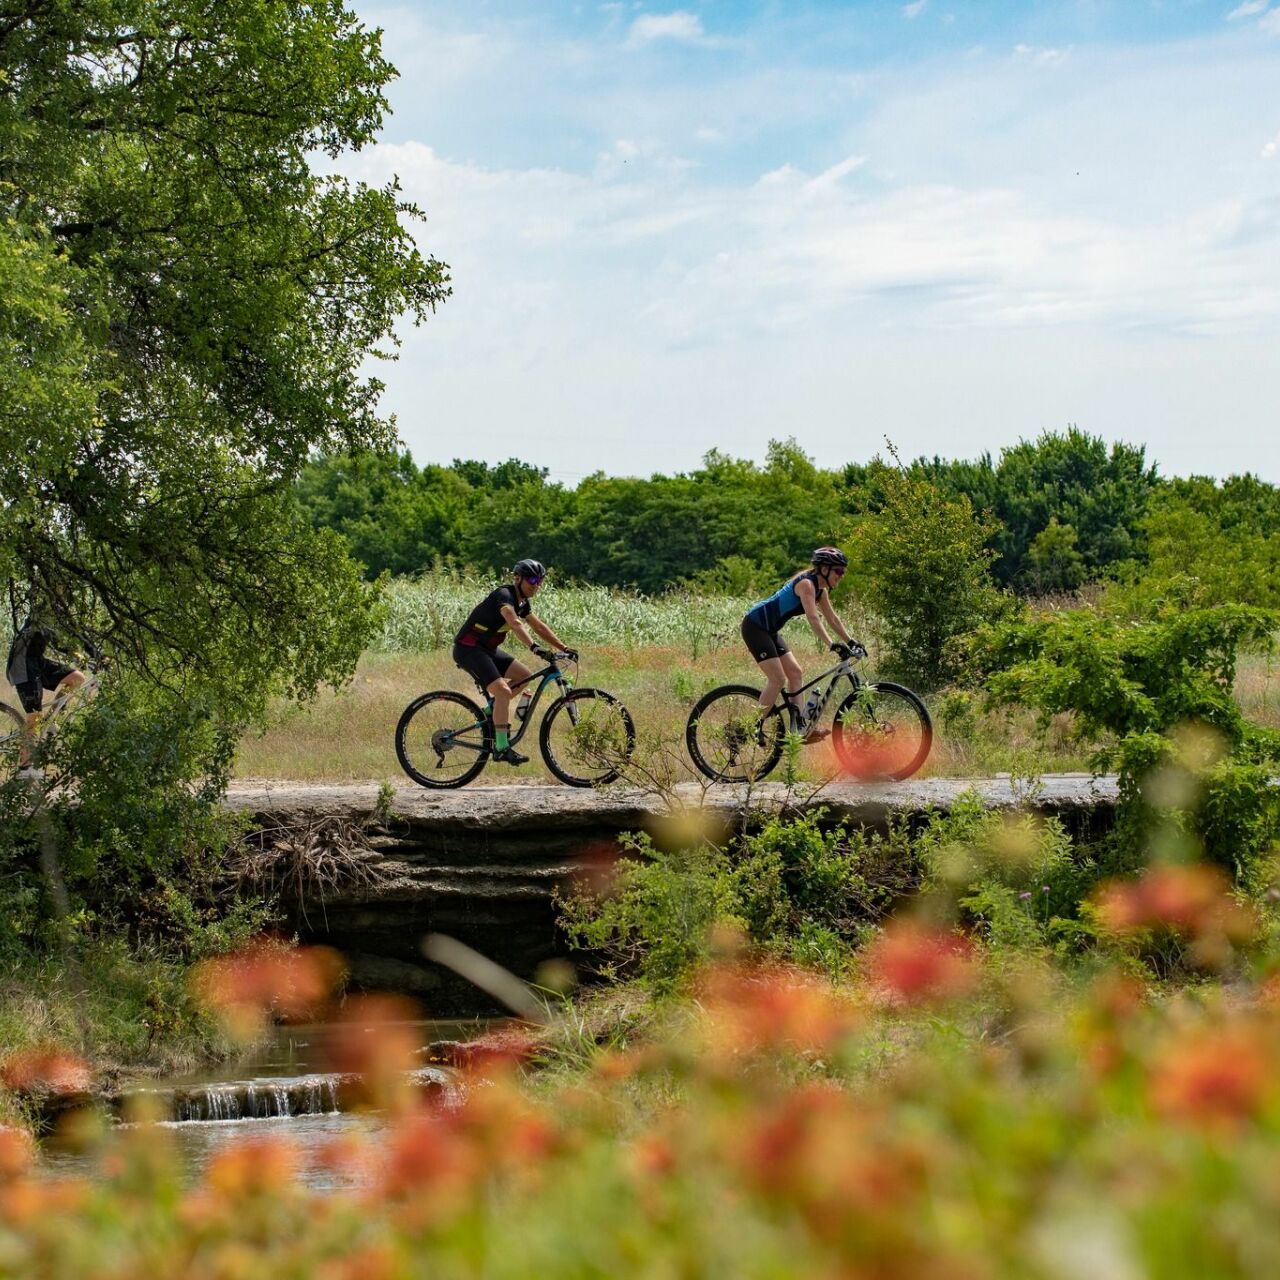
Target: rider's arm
x=546 y=633
x=808 y=597
x=519 y=630
x=825 y=605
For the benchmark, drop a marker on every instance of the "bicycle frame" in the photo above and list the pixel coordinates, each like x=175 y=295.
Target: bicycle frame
x=801 y=723
x=550 y=674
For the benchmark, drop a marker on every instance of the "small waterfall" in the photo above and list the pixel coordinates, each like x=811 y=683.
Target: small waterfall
x=265 y=1099
x=257 y=1099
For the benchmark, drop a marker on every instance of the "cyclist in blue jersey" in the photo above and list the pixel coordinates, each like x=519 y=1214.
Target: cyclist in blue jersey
x=476 y=649
x=807 y=592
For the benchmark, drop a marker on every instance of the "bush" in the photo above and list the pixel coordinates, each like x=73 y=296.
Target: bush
x=793 y=889
x=922 y=564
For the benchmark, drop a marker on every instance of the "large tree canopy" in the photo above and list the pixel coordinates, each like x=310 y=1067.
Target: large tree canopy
x=188 y=297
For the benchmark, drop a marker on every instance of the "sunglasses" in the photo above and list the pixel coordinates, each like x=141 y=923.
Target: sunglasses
x=534 y=582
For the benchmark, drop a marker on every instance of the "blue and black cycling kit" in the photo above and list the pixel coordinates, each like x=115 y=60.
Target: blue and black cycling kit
x=783 y=605
x=764 y=620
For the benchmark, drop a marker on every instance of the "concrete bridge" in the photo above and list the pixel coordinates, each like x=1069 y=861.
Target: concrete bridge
x=482 y=863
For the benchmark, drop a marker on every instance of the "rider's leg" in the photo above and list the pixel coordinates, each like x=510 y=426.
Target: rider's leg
x=500 y=692
x=779 y=673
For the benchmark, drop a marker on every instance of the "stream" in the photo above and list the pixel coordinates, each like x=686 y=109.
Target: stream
x=284 y=1090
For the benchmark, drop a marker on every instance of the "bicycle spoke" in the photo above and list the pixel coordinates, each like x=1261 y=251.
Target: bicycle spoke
x=587 y=737
x=441 y=740
x=729 y=739
x=882 y=731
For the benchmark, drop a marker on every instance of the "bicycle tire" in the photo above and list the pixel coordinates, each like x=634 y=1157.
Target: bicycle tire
x=701 y=741
x=12 y=725
x=412 y=754
x=562 y=709
x=864 y=755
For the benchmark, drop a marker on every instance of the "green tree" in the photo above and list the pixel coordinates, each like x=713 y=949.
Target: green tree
x=190 y=301
x=1054 y=562
x=921 y=562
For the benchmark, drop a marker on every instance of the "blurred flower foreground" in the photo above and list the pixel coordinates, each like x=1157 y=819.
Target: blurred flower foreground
x=949 y=1112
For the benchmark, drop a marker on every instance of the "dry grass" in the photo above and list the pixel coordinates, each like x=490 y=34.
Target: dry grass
x=348 y=735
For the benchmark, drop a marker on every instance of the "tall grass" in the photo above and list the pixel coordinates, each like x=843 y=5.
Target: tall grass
x=425 y=613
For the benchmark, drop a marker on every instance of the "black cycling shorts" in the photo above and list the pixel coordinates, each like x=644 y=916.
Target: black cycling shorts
x=49 y=675
x=763 y=644
x=484 y=666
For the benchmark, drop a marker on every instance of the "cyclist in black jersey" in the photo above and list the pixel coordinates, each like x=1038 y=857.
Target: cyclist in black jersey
x=807 y=592
x=31 y=672
x=476 y=647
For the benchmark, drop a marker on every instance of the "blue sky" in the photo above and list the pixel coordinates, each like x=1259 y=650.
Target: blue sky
x=678 y=227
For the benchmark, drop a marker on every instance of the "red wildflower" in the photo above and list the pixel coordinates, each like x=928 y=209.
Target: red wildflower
x=45 y=1069
x=916 y=964
x=1212 y=1079
x=1193 y=900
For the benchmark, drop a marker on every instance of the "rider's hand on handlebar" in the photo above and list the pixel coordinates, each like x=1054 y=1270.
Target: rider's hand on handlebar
x=841 y=650
x=571 y=655
x=545 y=654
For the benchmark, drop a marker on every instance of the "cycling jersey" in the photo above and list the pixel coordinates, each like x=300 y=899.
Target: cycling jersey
x=26 y=653
x=783 y=605
x=28 y=668
x=485 y=626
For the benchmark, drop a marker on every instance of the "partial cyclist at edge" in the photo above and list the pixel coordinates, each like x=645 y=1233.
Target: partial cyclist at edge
x=477 y=648
x=807 y=592
x=32 y=672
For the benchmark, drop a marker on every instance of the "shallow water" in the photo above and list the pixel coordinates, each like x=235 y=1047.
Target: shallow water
x=292 y=1070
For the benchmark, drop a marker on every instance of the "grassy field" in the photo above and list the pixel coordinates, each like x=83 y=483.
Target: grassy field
x=348 y=735
x=658 y=655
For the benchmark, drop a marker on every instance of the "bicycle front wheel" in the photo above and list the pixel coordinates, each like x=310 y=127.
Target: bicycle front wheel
x=442 y=740
x=586 y=738
x=12 y=724
x=728 y=738
x=882 y=731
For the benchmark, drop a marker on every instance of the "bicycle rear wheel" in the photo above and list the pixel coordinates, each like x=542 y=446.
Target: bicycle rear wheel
x=882 y=731
x=586 y=737
x=442 y=740
x=727 y=738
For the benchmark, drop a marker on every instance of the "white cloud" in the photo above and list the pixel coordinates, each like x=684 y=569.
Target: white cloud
x=900 y=243
x=1247 y=9
x=1040 y=57
x=681 y=26
x=914 y=9
x=1270 y=23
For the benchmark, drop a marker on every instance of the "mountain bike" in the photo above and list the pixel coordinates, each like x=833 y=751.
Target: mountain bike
x=444 y=739
x=881 y=730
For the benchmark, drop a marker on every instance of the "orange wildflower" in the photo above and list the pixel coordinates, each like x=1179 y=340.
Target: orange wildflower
x=267 y=979
x=916 y=964
x=45 y=1069
x=16 y=1152
x=1193 y=900
x=767 y=1009
x=1212 y=1079
x=375 y=1040
x=251 y=1168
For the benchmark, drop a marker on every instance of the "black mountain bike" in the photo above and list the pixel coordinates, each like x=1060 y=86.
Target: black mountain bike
x=444 y=739
x=881 y=730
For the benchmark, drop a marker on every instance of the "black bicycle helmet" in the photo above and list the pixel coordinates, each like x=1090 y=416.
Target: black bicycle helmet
x=829 y=555
x=529 y=569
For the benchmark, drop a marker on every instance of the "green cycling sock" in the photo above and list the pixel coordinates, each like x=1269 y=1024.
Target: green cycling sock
x=500 y=736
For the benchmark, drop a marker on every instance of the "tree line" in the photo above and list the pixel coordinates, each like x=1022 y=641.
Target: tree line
x=1058 y=512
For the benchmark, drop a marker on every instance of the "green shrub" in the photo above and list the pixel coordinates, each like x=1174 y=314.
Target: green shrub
x=921 y=562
